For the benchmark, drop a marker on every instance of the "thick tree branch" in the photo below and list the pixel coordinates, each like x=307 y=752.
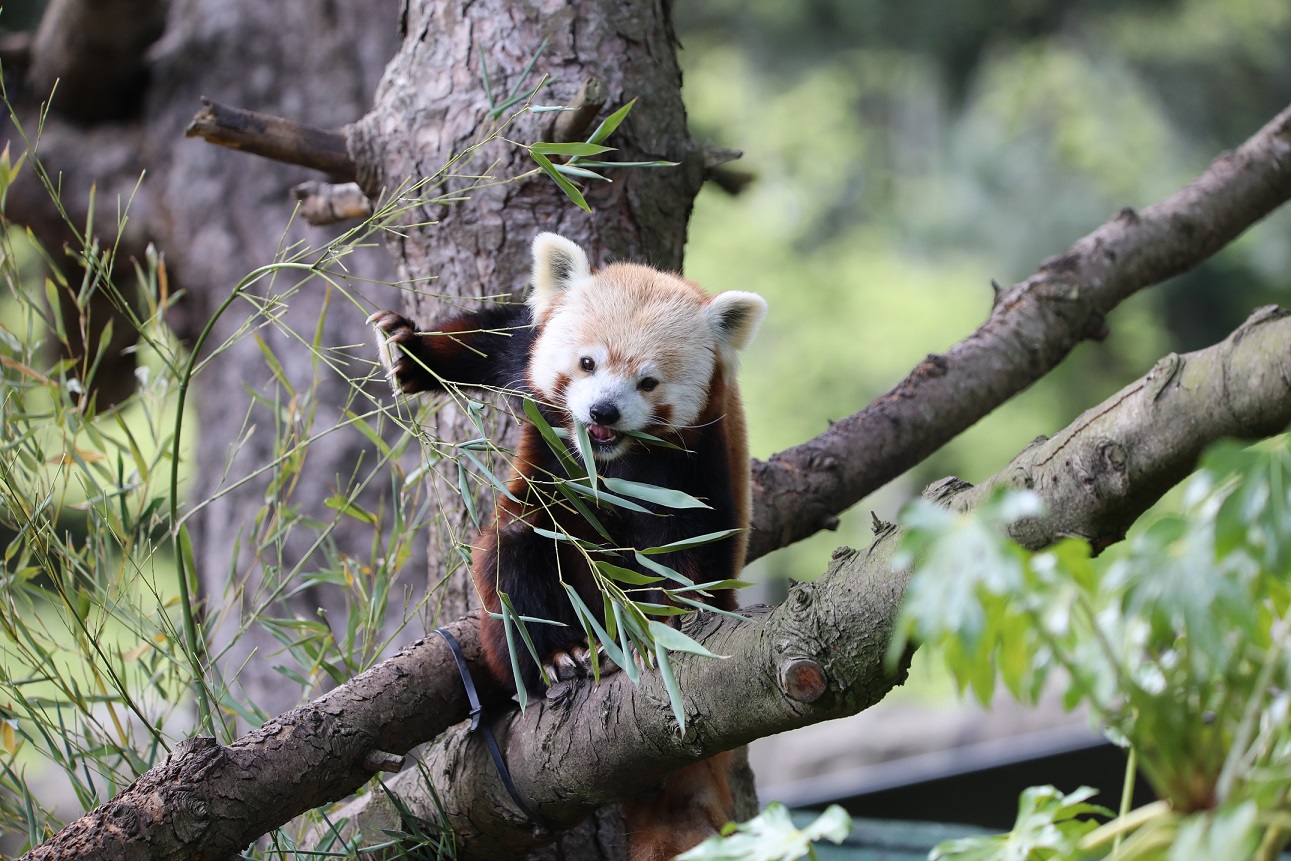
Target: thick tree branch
x=275 y=138
x=1032 y=327
x=614 y=741
x=95 y=51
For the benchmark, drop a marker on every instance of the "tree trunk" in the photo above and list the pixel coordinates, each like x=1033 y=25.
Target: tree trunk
x=432 y=106
x=217 y=215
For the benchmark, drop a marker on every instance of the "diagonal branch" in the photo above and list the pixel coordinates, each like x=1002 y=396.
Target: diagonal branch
x=95 y=51
x=614 y=741
x=1032 y=327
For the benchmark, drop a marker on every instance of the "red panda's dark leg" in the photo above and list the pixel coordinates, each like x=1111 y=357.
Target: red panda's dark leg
x=488 y=347
x=524 y=565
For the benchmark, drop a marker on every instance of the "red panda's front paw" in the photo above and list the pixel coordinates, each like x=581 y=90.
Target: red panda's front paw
x=575 y=662
x=397 y=342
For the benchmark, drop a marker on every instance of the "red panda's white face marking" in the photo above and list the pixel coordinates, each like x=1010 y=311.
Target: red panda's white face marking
x=629 y=348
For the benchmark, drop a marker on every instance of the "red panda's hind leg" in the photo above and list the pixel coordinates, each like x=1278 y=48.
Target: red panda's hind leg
x=693 y=805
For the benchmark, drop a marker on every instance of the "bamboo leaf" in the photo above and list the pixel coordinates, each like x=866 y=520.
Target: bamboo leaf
x=508 y=629
x=569 y=149
x=670 y=683
x=714 y=585
x=675 y=641
x=651 y=439
x=610 y=123
x=665 y=496
x=524 y=632
x=661 y=609
x=601 y=496
x=612 y=650
x=464 y=488
x=663 y=570
x=707 y=608
x=348 y=507
x=585 y=449
x=687 y=543
x=497 y=483
x=625 y=575
x=582 y=509
x=580 y=172
x=524 y=73
x=365 y=428
x=272 y=361
x=561 y=536
x=571 y=191
x=553 y=440
x=605 y=164
x=633 y=672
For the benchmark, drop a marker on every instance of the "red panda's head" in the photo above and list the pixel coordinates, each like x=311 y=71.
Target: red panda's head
x=629 y=348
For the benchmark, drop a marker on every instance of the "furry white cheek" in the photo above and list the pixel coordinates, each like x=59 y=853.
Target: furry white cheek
x=687 y=403
x=546 y=364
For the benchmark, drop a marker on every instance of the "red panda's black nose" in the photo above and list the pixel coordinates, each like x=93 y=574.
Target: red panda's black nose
x=604 y=413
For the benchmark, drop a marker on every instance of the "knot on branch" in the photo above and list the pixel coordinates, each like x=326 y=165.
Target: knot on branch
x=803 y=680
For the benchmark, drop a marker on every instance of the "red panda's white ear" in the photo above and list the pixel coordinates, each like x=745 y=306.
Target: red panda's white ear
x=557 y=264
x=735 y=317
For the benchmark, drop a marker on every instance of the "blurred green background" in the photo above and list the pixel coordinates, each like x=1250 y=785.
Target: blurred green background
x=906 y=154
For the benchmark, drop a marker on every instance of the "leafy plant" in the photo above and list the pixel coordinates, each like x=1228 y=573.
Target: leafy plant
x=1179 y=649
x=580 y=162
x=772 y=836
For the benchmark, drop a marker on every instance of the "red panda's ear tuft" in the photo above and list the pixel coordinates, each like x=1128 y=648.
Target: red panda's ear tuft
x=735 y=317
x=557 y=264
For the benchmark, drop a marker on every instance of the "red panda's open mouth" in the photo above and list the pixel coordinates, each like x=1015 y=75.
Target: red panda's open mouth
x=602 y=435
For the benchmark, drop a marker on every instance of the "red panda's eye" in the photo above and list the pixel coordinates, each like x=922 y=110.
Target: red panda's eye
x=648 y=384
x=587 y=364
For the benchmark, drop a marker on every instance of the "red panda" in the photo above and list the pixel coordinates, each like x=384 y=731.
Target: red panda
x=620 y=350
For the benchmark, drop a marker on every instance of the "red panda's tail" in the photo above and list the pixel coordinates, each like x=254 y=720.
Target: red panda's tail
x=693 y=804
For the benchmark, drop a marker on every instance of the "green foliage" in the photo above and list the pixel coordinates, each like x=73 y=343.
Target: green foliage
x=772 y=836
x=1179 y=648
x=579 y=163
x=104 y=638
x=1047 y=827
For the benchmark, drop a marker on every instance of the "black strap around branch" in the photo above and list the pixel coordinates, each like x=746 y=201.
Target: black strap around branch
x=477 y=712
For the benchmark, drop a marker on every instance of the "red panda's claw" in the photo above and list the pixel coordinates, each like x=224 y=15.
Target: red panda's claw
x=563 y=666
x=388 y=320
x=575 y=662
x=394 y=331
